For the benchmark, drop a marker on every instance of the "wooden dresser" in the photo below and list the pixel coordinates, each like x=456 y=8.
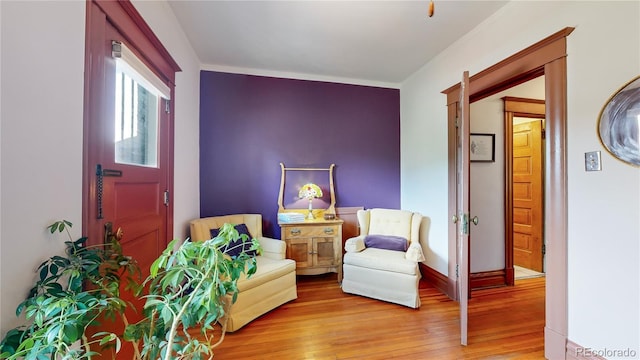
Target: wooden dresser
x=315 y=245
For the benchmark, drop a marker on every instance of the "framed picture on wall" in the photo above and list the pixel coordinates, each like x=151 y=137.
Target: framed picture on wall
x=482 y=147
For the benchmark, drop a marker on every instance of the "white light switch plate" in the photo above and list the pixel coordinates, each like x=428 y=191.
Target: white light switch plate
x=592 y=161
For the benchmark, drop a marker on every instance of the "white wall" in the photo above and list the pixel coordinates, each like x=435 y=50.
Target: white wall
x=42 y=73
x=42 y=49
x=487 y=179
x=603 y=207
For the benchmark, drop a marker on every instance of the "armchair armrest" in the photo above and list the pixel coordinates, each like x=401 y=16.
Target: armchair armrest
x=354 y=244
x=414 y=252
x=272 y=248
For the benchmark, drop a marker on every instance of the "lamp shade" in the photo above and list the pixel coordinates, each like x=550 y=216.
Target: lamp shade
x=310 y=191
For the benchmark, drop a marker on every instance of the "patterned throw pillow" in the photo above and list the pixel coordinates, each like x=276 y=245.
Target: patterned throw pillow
x=235 y=248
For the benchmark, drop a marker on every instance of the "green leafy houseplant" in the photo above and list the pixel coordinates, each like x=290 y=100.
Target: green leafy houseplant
x=189 y=288
x=70 y=294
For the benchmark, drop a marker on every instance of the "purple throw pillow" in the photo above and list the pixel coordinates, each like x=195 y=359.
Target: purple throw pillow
x=233 y=249
x=388 y=242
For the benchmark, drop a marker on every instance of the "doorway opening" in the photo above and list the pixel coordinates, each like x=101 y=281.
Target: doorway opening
x=548 y=58
x=524 y=120
x=507 y=195
x=506 y=232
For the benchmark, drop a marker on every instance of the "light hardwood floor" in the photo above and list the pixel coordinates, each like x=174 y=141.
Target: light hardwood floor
x=324 y=323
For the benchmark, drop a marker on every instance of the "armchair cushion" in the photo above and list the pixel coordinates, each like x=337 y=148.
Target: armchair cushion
x=270 y=270
x=236 y=247
x=391 y=222
x=389 y=242
x=381 y=259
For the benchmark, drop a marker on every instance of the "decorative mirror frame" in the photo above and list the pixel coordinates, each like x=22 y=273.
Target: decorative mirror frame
x=619 y=123
x=317 y=213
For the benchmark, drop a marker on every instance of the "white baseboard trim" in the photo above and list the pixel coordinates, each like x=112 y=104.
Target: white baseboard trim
x=577 y=352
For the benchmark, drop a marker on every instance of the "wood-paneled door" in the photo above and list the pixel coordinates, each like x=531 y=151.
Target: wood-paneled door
x=527 y=188
x=524 y=216
x=128 y=146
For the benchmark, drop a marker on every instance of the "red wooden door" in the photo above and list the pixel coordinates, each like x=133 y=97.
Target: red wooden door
x=128 y=144
x=134 y=178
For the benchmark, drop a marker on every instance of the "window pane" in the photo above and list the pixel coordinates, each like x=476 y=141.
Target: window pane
x=136 y=122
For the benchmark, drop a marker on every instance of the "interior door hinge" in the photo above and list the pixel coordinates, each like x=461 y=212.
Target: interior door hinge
x=544 y=249
x=543 y=135
x=457 y=275
x=167 y=106
x=116 y=49
x=166 y=198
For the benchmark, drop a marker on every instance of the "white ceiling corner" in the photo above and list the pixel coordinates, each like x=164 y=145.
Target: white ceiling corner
x=367 y=42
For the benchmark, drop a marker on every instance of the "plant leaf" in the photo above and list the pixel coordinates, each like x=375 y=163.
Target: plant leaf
x=44 y=271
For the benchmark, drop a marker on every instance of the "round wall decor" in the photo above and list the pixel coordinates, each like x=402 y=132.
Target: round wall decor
x=619 y=123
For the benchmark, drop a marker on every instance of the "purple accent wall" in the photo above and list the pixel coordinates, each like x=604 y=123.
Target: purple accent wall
x=249 y=124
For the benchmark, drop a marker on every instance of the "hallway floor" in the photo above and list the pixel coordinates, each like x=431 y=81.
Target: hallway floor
x=524 y=273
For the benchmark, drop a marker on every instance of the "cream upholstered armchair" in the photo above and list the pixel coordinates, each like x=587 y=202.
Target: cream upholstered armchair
x=382 y=262
x=274 y=282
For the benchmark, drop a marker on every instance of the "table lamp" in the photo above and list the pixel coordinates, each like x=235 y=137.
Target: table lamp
x=310 y=191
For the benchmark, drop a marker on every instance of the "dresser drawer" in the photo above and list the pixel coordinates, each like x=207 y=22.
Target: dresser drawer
x=292 y=232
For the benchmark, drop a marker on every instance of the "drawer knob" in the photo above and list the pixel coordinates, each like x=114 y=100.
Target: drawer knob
x=295 y=231
x=328 y=230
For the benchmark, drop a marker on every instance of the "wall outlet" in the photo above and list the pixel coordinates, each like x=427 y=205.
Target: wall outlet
x=592 y=161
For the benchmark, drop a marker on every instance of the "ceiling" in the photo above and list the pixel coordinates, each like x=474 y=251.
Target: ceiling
x=358 y=41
